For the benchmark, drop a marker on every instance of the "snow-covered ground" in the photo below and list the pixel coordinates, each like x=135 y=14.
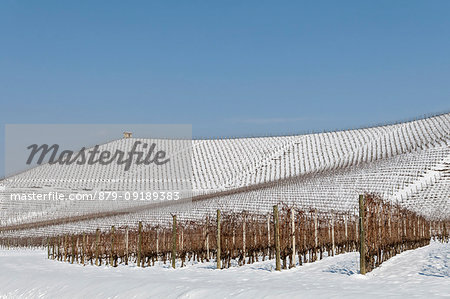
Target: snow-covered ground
x=423 y=273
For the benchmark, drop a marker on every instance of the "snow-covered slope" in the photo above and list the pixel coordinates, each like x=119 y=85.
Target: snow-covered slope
x=406 y=163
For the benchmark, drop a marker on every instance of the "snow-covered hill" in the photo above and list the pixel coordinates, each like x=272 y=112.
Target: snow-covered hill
x=406 y=163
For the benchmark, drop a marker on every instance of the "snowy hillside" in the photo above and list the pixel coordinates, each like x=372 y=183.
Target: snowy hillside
x=406 y=163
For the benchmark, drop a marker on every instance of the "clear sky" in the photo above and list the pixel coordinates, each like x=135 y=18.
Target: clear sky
x=229 y=68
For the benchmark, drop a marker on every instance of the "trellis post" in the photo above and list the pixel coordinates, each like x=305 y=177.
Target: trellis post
x=111 y=254
x=78 y=250
x=268 y=236
x=83 y=248
x=53 y=248
x=65 y=248
x=218 y=240
x=332 y=236
x=277 y=238
x=362 y=236
x=97 y=243
x=293 y=237
x=58 y=257
x=73 y=249
x=174 y=240
x=243 y=239
x=126 y=246
x=207 y=239
x=139 y=253
x=316 y=235
x=157 y=244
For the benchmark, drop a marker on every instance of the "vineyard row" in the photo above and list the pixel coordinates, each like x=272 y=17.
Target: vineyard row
x=289 y=235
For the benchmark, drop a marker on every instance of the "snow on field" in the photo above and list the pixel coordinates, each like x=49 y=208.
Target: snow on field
x=423 y=273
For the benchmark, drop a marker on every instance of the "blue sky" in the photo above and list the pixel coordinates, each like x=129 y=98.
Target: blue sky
x=229 y=68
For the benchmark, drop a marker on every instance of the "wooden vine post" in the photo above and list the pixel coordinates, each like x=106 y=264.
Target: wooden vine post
x=174 y=240
x=293 y=237
x=207 y=240
x=332 y=236
x=53 y=248
x=77 y=249
x=157 y=244
x=59 y=257
x=276 y=225
x=65 y=248
x=97 y=243
x=139 y=249
x=268 y=236
x=73 y=249
x=48 y=248
x=362 y=237
x=244 y=250
x=111 y=254
x=182 y=239
x=83 y=248
x=346 y=233
x=316 y=235
x=345 y=228
x=126 y=246
x=218 y=240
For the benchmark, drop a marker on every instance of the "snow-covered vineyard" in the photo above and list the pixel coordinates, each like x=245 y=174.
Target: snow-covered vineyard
x=408 y=163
